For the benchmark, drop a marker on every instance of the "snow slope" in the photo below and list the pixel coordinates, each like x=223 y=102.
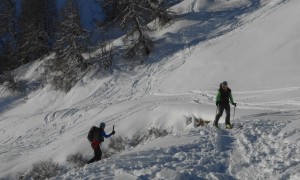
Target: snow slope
x=251 y=43
x=259 y=50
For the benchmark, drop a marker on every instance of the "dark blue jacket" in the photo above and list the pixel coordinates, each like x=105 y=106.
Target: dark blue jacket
x=99 y=135
x=103 y=134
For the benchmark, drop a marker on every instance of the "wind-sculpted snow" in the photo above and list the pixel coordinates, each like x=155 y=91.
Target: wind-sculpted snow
x=260 y=150
x=198 y=154
x=263 y=149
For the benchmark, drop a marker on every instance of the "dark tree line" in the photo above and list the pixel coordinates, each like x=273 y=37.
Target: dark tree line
x=40 y=29
x=8 y=36
x=26 y=37
x=37 y=29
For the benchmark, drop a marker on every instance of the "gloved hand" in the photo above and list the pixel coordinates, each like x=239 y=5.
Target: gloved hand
x=113 y=132
x=234 y=104
x=217 y=103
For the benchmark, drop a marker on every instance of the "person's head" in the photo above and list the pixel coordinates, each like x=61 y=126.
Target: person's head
x=225 y=85
x=102 y=125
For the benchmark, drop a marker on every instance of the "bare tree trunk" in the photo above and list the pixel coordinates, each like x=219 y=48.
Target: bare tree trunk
x=142 y=37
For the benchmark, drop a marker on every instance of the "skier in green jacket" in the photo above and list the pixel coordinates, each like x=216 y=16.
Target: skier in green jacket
x=224 y=97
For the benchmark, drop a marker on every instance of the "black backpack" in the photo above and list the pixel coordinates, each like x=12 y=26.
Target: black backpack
x=91 y=133
x=94 y=134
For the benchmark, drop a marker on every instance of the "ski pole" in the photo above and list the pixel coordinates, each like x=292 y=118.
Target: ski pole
x=114 y=130
x=233 y=113
x=216 y=113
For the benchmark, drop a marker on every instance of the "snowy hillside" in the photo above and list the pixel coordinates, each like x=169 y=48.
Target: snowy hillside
x=253 y=44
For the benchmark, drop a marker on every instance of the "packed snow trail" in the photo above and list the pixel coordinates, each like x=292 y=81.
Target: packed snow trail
x=197 y=154
x=268 y=148
x=261 y=150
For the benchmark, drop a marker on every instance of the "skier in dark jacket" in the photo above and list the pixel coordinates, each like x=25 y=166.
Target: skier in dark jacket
x=99 y=135
x=224 y=97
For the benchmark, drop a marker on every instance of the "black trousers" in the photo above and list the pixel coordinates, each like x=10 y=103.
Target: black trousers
x=221 y=109
x=97 y=155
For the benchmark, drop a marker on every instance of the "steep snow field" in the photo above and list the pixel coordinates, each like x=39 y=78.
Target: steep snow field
x=252 y=44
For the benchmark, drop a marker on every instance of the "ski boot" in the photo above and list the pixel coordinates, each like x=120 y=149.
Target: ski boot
x=229 y=126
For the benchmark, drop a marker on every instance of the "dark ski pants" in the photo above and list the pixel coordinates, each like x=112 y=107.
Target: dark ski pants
x=97 y=155
x=221 y=109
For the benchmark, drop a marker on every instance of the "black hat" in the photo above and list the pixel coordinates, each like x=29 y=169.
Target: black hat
x=225 y=83
x=102 y=125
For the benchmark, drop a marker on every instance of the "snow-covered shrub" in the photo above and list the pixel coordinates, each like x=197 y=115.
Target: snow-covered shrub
x=76 y=160
x=188 y=120
x=104 y=55
x=200 y=122
x=43 y=170
x=197 y=121
x=9 y=82
x=153 y=133
x=156 y=133
x=117 y=144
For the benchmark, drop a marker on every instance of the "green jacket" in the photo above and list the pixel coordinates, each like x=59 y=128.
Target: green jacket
x=224 y=97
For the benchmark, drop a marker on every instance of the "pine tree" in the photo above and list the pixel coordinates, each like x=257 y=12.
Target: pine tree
x=36 y=29
x=7 y=16
x=51 y=21
x=71 y=40
x=8 y=36
x=133 y=16
x=70 y=45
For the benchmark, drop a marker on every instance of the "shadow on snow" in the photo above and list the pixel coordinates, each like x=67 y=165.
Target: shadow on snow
x=208 y=25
